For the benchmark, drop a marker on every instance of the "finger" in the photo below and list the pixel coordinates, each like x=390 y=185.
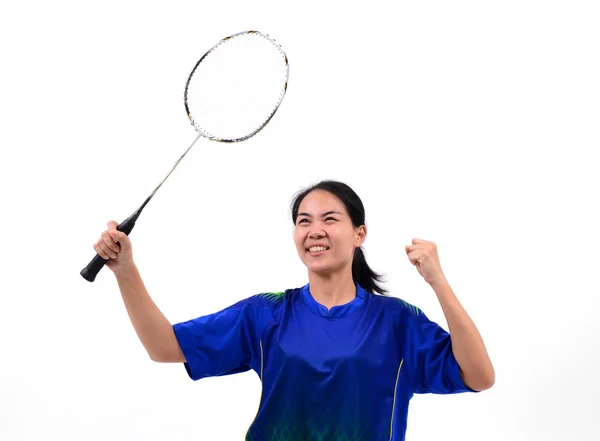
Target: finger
x=419 y=241
x=414 y=257
x=112 y=225
x=103 y=251
x=109 y=251
x=121 y=238
x=100 y=252
x=109 y=242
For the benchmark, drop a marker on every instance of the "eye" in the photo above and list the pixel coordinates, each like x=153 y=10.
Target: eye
x=330 y=218
x=302 y=220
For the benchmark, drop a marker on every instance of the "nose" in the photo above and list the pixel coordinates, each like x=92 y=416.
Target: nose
x=316 y=233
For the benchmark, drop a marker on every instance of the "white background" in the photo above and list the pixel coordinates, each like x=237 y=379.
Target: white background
x=472 y=124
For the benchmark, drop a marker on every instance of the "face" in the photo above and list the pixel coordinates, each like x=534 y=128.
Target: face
x=324 y=223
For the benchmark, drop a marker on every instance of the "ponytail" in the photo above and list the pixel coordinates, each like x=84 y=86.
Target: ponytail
x=363 y=275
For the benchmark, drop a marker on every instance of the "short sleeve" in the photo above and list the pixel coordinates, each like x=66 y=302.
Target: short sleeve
x=223 y=343
x=432 y=365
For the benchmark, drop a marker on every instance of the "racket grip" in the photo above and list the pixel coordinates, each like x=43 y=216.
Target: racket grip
x=90 y=272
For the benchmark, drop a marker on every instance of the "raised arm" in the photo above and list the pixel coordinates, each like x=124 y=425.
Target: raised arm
x=152 y=327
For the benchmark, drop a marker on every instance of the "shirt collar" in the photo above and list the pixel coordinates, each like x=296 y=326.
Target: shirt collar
x=336 y=311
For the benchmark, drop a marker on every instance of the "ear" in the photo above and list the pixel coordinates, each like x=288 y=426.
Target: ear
x=361 y=235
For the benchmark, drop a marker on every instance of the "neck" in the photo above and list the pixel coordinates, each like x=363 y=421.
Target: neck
x=332 y=289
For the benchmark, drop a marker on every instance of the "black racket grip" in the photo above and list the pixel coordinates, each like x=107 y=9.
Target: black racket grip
x=90 y=272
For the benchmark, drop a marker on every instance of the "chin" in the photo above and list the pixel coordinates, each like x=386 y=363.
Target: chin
x=318 y=267
x=322 y=268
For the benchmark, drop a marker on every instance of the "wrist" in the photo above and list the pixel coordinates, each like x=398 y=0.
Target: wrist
x=439 y=283
x=125 y=270
x=442 y=289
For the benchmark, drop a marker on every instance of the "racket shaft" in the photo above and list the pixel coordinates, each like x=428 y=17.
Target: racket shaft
x=90 y=272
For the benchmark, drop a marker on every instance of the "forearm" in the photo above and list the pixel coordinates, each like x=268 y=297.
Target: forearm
x=467 y=344
x=152 y=327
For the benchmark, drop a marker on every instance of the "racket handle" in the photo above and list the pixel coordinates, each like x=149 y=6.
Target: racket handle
x=90 y=272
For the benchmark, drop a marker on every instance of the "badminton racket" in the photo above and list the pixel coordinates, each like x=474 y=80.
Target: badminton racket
x=231 y=94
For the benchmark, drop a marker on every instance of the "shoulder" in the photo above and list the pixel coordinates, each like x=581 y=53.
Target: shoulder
x=272 y=300
x=397 y=305
x=257 y=309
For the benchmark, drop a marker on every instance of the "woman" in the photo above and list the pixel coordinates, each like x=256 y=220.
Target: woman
x=337 y=358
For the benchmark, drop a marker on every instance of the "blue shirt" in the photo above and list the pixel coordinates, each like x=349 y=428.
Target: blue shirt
x=346 y=374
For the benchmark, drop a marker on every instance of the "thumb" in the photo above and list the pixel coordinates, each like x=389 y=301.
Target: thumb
x=112 y=225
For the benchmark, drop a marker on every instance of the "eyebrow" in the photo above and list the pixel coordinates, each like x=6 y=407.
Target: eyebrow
x=323 y=215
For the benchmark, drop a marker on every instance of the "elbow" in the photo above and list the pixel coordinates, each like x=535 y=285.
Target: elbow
x=174 y=356
x=155 y=357
x=486 y=383
x=490 y=378
x=480 y=382
x=159 y=356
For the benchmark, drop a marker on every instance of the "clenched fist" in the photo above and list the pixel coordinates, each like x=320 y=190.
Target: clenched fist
x=115 y=247
x=423 y=254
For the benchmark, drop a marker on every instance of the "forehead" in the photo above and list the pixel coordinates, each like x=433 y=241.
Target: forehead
x=319 y=201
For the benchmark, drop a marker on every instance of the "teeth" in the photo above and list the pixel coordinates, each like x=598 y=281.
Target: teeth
x=316 y=249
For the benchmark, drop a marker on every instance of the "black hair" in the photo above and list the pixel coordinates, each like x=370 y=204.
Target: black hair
x=361 y=272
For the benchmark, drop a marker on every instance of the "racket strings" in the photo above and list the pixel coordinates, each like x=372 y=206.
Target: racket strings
x=237 y=87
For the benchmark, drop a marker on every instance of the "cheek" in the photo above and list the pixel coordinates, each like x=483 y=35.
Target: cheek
x=298 y=239
x=344 y=244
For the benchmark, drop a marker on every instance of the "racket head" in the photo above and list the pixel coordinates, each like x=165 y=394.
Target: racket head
x=236 y=87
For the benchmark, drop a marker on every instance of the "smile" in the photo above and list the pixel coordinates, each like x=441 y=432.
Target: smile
x=315 y=250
